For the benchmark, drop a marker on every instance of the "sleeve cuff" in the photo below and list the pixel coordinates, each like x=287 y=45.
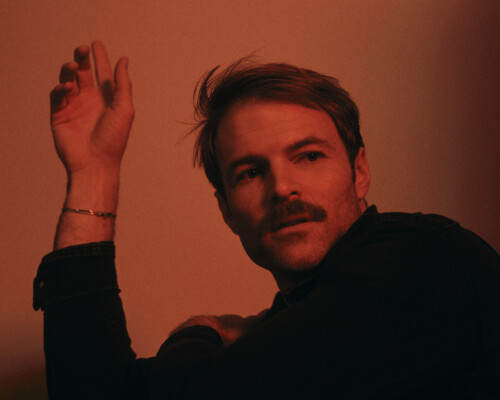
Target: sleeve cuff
x=74 y=271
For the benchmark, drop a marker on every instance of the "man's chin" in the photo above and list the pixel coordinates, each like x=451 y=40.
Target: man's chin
x=294 y=254
x=297 y=251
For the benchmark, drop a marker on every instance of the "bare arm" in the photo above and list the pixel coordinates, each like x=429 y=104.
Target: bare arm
x=90 y=122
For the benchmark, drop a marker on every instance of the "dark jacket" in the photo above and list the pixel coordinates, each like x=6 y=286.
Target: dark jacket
x=404 y=306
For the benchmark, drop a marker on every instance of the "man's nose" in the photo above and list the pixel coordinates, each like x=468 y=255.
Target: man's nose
x=283 y=184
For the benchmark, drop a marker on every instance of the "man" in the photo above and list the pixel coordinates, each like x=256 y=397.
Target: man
x=370 y=305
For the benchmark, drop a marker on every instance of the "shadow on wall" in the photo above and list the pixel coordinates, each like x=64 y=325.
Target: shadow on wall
x=29 y=386
x=471 y=58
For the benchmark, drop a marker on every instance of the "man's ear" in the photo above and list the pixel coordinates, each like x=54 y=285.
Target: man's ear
x=362 y=182
x=226 y=213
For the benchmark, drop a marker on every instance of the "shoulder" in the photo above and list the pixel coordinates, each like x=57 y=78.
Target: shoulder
x=412 y=228
x=409 y=241
x=399 y=223
x=395 y=230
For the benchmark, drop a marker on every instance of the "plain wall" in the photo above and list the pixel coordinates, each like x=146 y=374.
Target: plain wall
x=423 y=73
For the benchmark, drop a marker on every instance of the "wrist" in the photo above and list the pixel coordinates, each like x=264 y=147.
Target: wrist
x=93 y=188
x=95 y=172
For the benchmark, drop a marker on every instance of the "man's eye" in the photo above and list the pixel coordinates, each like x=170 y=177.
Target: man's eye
x=248 y=174
x=311 y=156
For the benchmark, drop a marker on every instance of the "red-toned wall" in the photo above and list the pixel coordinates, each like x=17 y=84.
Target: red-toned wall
x=424 y=74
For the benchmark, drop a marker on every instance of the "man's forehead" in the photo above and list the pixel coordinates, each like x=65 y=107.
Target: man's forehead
x=264 y=124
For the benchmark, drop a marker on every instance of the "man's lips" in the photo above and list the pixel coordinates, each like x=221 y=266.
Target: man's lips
x=286 y=222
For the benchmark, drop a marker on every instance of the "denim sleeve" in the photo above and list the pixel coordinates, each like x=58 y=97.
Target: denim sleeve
x=87 y=348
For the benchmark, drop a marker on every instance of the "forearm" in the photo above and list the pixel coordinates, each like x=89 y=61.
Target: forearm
x=94 y=189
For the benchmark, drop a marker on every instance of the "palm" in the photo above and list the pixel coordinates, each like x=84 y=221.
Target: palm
x=87 y=131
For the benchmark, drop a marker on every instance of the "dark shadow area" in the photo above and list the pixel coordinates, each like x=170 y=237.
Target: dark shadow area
x=470 y=59
x=29 y=385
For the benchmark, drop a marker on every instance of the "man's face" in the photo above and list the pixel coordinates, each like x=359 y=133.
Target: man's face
x=289 y=187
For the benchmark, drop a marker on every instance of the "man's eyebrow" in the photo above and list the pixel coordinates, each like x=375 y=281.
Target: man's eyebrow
x=250 y=159
x=307 y=141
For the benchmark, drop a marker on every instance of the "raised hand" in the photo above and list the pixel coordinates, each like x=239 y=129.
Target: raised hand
x=91 y=122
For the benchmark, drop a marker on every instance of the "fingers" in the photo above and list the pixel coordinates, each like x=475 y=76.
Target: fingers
x=68 y=72
x=68 y=79
x=58 y=96
x=78 y=74
x=67 y=86
x=84 y=72
x=123 y=86
x=104 y=72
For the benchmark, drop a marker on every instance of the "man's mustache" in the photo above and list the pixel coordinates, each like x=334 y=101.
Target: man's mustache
x=290 y=209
